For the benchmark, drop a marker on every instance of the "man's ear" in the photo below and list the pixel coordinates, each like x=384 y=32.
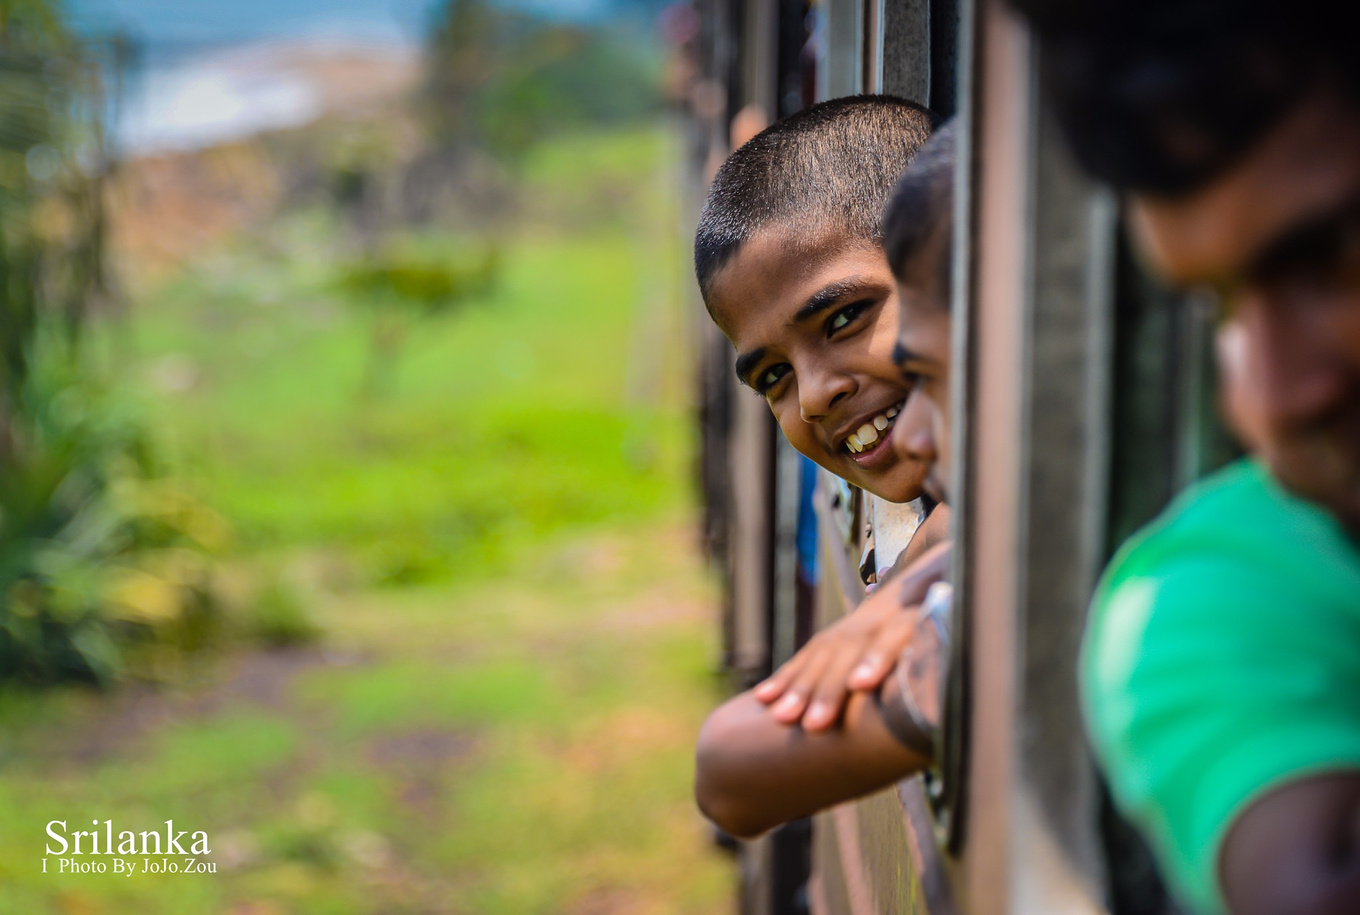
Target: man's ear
x=1230 y=345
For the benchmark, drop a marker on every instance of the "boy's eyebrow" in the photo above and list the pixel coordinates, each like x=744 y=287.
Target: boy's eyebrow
x=829 y=295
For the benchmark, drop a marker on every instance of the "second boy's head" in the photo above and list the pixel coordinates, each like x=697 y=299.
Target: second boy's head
x=918 y=230
x=1233 y=130
x=789 y=257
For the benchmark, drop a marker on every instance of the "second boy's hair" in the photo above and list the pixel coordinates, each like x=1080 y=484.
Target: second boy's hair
x=828 y=167
x=922 y=204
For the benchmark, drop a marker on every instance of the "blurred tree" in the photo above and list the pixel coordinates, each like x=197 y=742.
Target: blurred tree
x=96 y=552
x=39 y=72
x=462 y=56
x=400 y=288
x=502 y=80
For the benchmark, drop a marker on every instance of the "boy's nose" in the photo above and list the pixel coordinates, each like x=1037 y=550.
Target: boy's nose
x=912 y=437
x=820 y=390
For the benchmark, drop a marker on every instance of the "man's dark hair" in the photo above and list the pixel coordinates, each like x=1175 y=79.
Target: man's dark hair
x=1160 y=96
x=828 y=167
x=922 y=205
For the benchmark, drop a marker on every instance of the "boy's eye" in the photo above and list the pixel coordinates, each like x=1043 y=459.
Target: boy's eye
x=845 y=316
x=768 y=378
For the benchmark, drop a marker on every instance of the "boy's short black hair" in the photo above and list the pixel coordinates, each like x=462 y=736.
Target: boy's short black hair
x=830 y=166
x=922 y=204
x=1160 y=96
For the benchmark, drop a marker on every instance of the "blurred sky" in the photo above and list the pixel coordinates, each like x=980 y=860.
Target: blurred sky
x=208 y=74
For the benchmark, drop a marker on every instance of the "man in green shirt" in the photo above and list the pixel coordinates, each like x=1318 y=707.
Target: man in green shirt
x=1221 y=669
x=1222 y=662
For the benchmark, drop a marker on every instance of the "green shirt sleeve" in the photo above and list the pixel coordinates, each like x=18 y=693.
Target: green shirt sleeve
x=1222 y=659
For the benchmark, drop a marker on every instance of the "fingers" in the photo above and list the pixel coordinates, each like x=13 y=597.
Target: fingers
x=789 y=709
x=773 y=686
x=855 y=654
x=880 y=656
x=854 y=628
x=832 y=690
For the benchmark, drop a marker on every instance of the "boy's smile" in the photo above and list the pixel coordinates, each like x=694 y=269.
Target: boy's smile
x=814 y=323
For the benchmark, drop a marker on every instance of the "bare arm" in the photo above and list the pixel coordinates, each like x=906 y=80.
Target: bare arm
x=754 y=773
x=1296 y=851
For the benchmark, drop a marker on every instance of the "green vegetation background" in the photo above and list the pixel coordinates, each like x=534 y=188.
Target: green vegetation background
x=498 y=547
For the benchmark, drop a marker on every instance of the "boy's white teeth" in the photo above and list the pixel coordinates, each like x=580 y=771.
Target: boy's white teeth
x=867 y=434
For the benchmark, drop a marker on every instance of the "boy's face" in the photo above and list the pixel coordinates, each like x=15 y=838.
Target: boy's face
x=923 y=356
x=1277 y=240
x=814 y=327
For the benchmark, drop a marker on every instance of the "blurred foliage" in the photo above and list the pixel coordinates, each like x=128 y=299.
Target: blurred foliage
x=102 y=566
x=51 y=217
x=426 y=286
x=399 y=285
x=504 y=80
x=280 y=616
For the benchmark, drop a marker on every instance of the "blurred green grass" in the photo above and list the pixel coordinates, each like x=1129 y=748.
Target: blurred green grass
x=500 y=716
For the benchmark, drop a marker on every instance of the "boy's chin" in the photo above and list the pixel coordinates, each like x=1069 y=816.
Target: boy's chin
x=902 y=496
x=896 y=483
x=891 y=486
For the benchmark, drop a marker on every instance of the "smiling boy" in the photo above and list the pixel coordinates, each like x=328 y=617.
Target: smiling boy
x=756 y=769
x=789 y=258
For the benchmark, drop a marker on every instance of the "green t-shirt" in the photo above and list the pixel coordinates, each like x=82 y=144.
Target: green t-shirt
x=1221 y=659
